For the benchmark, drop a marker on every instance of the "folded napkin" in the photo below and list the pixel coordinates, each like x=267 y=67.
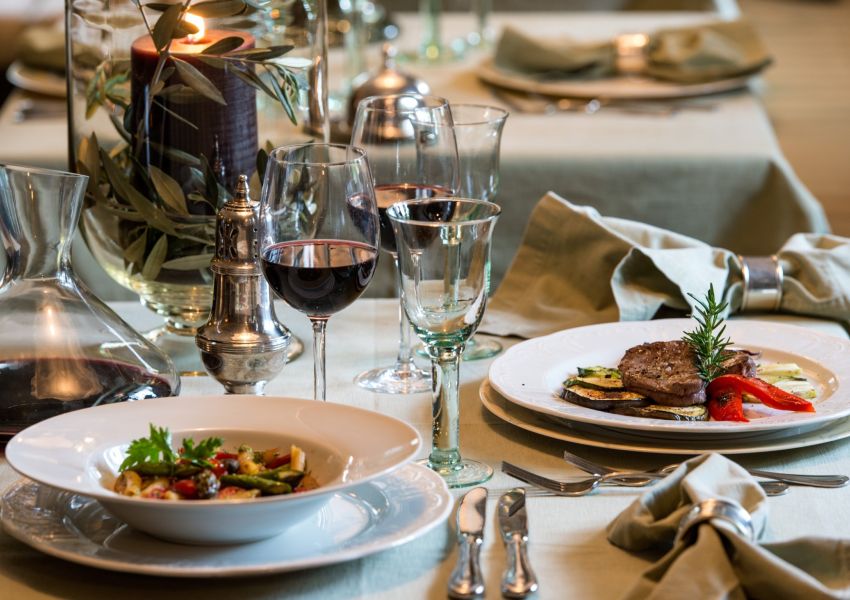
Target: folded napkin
x=720 y=563
x=43 y=47
x=683 y=55
x=575 y=267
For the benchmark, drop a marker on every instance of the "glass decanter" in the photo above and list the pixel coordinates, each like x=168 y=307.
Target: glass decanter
x=61 y=348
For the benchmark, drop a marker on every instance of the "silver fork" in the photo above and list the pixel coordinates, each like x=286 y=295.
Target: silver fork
x=825 y=481
x=585 y=486
x=577 y=488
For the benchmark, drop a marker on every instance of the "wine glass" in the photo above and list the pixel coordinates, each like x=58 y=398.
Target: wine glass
x=413 y=155
x=478 y=130
x=320 y=233
x=444 y=256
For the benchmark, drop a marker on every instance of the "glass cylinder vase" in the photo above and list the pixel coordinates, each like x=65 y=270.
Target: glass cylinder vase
x=169 y=103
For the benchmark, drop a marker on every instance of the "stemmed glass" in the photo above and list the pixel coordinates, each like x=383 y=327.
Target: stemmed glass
x=478 y=129
x=444 y=255
x=413 y=155
x=320 y=233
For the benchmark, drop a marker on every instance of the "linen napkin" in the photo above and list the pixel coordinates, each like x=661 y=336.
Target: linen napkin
x=720 y=563
x=683 y=55
x=43 y=47
x=576 y=267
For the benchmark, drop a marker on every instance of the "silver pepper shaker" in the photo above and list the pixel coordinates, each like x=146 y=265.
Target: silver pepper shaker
x=242 y=344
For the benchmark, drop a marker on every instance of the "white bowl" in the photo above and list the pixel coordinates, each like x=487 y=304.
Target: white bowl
x=80 y=452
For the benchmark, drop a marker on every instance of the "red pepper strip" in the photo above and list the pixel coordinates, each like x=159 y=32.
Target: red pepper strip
x=726 y=405
x=223 y=455
x=186 y=488
x=767 y=394
x=279 y=461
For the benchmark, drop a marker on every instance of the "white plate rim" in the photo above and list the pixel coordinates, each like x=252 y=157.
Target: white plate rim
x=533 y=357
x=534 y=422
x=418 y=479
x=36 y=80
x=617 y=88
x=187 y=404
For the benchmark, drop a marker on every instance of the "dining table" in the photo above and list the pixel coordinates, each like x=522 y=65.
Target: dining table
x=711 y=169
x=567 y=540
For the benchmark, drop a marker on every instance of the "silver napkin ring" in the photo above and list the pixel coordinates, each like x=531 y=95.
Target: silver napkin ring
x=763 y=278
x=724 y=510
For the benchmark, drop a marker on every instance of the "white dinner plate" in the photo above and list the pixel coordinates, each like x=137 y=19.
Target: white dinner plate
x=614 y=88
x=371 y=517
x=530 y=374
x=36 y=80
x=600 y=437
x=80 y=452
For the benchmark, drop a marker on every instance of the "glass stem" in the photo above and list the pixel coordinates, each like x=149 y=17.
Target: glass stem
x=319 y=387
x=445 y=369
x=404 y=359
x=431 y=43
x=482 y=10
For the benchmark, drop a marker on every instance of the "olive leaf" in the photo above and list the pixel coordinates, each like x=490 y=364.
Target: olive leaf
x=261 y=54
x=189 y=263
x=153 y=263
x=163 y=31
x=262 y=161
x=214 y=9
x=135 y=252
x=224 y=45
x=198 y=81
x=169 y=190
x=252 y=79
x=283 y=99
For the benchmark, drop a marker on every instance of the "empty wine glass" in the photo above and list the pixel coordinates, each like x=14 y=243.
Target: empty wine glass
x=320 y=233
x=413 y=155
x=478 y=130
x=444 y=256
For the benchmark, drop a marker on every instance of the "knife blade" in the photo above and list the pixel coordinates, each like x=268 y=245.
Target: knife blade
x=466 y=580
x=518 y=579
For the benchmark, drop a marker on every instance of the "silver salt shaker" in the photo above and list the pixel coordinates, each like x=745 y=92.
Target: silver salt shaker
x=242 y=344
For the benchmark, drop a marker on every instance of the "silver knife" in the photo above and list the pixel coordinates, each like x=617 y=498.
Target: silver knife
x=518 y=580
x=466 y=580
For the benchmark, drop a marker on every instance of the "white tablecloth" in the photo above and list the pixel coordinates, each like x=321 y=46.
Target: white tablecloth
x=568 y=546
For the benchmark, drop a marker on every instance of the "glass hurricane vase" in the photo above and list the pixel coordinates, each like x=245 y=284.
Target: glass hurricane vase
x=169 y=103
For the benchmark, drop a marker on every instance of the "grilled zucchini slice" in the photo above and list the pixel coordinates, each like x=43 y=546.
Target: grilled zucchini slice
x=602 y=399
x=670 y=413
x=596 y=383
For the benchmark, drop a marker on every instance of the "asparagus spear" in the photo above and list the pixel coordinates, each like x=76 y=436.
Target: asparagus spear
x=253 y=482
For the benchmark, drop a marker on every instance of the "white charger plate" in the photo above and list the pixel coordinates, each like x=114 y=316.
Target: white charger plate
x=81 y=451
x=600 y=437
x=615 y=88
x=530 y=373
x=375 y=516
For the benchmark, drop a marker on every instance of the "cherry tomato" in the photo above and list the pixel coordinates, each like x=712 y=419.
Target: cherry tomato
x=186 y=488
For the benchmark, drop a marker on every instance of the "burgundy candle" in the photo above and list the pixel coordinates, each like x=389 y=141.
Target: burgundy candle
x=226 y=135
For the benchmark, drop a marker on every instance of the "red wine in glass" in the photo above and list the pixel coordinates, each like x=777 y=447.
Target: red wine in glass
x=388 y=194
x=319 y=277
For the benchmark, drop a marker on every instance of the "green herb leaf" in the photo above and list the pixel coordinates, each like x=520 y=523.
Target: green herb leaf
x=135 y=252
x=189 y=263
x=214 y=9
x=153 y=263
x=169 y=190
x=200 y=454
x=163 y=31
x=707 y=340
x=224 y=45
x=156 y=448
x=198 y=81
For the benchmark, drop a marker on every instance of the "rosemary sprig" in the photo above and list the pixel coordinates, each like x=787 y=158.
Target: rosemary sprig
x=707 y=340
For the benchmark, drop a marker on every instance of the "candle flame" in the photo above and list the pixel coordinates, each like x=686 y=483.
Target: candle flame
x=194 y=38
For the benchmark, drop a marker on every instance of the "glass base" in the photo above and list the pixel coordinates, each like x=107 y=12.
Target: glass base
x=395 y=380
x=477 y=348
x=179 y=345
x=463 y=474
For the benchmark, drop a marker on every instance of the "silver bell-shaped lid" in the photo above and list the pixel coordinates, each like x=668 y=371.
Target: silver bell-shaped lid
x=389 y=80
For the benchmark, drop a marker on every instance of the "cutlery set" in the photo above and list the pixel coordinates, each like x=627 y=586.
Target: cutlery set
x=518 y=579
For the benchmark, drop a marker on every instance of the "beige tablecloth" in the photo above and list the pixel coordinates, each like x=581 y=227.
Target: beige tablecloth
x=568 y=546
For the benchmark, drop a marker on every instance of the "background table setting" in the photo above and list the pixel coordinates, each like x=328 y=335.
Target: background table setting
x=579 y=186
